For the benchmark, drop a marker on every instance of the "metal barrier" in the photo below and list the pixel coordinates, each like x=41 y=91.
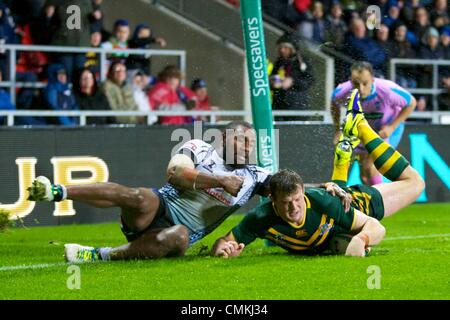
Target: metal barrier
x=435 y=117
x=82 y=115
x=13 y=49
x=434 y=91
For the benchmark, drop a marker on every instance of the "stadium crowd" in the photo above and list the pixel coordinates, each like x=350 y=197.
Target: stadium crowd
x=73 y=79
x=414 y=29
x=409 y=29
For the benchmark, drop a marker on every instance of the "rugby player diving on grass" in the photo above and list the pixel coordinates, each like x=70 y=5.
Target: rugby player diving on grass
x=203 y=189
x=311 y=221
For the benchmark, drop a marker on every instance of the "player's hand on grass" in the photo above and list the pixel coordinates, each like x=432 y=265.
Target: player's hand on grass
x=226 y=249
x=356 y=248
x=232 y=184
x=333 y=189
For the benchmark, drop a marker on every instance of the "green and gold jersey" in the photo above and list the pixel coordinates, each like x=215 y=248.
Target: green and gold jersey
x=324 y=213
x=324 y=217
x=367 y=199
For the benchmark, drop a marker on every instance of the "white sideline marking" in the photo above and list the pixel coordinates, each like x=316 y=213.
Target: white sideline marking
x=49 y=265
x=33 y=266
x=417 y=237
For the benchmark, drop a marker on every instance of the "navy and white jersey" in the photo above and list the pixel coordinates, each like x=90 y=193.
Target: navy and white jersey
x=201 y=211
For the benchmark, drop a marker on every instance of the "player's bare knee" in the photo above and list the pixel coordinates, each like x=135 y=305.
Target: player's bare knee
x=416 y=181
x=139 y=199
x=176 y=238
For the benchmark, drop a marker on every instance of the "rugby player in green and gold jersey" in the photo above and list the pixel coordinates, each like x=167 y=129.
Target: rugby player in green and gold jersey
x=309 y=220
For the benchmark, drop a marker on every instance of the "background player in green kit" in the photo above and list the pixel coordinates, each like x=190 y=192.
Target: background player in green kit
x=306 y=220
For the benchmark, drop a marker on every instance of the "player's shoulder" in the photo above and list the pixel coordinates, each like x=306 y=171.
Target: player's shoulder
x=263 y=211
x=257 y=169
x=258 y=173
x=318 y=196
x=196 y=144
x=342 y=89
x=385 y=85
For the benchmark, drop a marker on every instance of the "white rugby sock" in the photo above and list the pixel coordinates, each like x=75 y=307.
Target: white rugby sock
x=104 y=253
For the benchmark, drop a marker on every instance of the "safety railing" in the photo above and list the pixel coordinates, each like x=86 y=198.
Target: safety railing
x=305 y=117
x=434 y=91
x=103 y=57
x=322 y=116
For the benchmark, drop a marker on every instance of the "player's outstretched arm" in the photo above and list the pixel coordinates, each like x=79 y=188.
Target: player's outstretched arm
x=181 y=173
x=369 y=231
x=227 y=247
x=387 y=130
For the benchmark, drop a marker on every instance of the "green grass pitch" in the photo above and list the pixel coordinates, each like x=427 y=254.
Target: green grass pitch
x=414 y=261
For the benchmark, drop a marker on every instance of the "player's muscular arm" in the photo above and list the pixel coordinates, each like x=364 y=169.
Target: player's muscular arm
x=369 y=231
x=387 y=130
x=181 y=173
x=227 y=247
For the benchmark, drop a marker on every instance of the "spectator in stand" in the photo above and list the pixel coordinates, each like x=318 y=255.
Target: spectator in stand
x=297 y=12
x=7 y=35
x=59 y=96
x=291 y=78
x=198 y=86
x=119 y=41
x=89 y=97
x=439 y=15
x=143 y=39
x=6 y=104
x=140 y=82
x=43 y=26
x=92 y=58
x=432 y=51
x=165 y=96
x=386 y=44
x=96 y=19
x=360 y=47
x=402 y=48
x=120 y=94
x=74 y=37
x=314 y=28
x=407 y=12
x=30 y=66
x=336 y=26
x=25 y=11
x=444 y=98
x=392 y=17
x=421 y=25
x=445 y=45
x=445 y=42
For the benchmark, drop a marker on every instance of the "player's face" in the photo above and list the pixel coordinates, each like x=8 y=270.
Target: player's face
x=362 y=80
x=290 y=207
x=240 y=144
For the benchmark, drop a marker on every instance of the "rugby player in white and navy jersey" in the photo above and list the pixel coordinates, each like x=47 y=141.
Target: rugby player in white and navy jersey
x=202 y=191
